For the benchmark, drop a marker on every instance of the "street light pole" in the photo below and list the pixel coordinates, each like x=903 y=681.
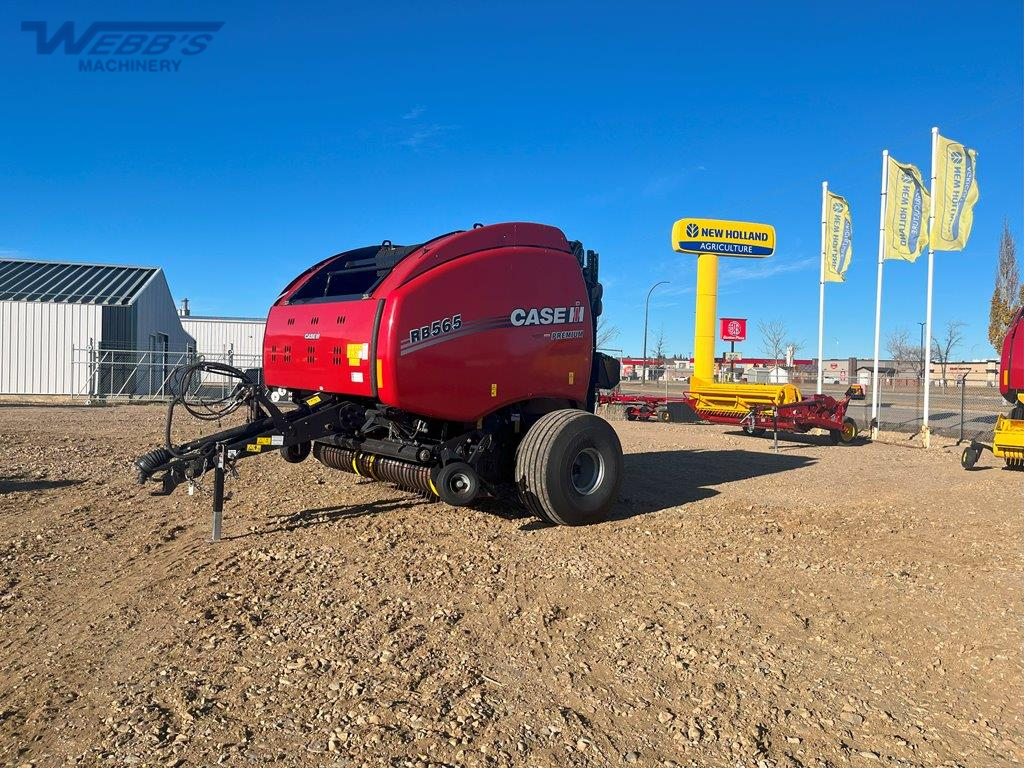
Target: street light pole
x=647 y=305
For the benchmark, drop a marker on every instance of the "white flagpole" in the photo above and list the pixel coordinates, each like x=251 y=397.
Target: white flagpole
x=821 y=288
x=928 y=302
x=878 y=291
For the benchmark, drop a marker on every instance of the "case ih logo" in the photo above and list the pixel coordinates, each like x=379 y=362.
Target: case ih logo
x=140 y=46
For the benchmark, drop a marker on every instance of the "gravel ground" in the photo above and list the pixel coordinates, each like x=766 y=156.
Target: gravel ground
x=821 y=606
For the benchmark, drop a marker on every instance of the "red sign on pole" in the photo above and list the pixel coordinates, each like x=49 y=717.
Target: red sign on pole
x=734 y=329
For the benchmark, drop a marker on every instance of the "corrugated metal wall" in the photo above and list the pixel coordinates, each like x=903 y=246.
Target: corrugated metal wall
x=214 y=336
x=155 y=313
x=36 y=343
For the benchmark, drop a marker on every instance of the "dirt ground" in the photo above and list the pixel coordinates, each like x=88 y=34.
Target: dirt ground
x=821 y=606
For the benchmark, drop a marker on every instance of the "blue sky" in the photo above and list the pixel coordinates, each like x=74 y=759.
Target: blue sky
x=305 y=129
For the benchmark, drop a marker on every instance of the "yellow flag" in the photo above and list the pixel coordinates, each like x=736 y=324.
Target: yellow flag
x=956 y=185
x=907 y=207
x=838 y=238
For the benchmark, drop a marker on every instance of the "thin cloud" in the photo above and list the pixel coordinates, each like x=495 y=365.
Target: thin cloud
x=425 y=136
x=413 y=113
x=733 y=274
x=662 y=185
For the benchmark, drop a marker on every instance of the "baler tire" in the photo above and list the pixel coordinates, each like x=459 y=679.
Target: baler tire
x=294 y=454
x=1017 y=412
x=550 y=453
x=665 y=416
x=456 y=484
x=845 y=435
x=630 y=414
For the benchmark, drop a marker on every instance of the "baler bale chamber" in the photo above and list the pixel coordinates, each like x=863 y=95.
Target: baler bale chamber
x=461 y=367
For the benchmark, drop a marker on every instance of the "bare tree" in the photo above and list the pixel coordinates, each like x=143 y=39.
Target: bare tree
x=1008 y=292
x=773 y=339
x=658 y=351
x=904 y=354
x=942 y=351
x=606 y=333
x=898 y=346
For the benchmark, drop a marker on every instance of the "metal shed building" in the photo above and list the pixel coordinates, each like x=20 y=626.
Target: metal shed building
x=237 y=341
x=87 y=329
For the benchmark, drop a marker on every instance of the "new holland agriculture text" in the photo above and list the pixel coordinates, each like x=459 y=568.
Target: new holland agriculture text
x=730 y=238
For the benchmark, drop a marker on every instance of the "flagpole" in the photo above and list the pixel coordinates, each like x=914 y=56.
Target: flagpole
x=821 y=288
x=925 y=429
x=878 y=291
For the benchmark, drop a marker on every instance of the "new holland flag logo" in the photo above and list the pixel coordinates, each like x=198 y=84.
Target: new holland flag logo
x=838 y=239
x=907 y=205
x=956 y=185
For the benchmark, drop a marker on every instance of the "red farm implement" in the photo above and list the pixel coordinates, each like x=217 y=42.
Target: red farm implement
x=756 y=409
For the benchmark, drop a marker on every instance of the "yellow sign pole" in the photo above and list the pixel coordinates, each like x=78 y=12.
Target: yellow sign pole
x=706 y=314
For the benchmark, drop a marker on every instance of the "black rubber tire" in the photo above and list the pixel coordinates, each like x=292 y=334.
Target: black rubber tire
x=1017 y=412
x=753 y=431
x=544 y=465
x=665 y=416
x=630 y=415
x=969 y=457
x=847 y=434
x=456 y=483
x=294 y=454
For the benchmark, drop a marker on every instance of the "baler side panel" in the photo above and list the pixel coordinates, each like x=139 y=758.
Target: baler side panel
x=320 y=347
x=449 y=347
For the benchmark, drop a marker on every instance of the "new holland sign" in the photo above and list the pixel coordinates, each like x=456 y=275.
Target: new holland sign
x=728 y=238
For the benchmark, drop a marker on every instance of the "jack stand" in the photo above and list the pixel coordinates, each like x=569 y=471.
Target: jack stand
x=775 y=434
x=218 y=493
x=927 y=432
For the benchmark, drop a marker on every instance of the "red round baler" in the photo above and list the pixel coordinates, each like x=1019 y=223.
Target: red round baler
x=457 y=367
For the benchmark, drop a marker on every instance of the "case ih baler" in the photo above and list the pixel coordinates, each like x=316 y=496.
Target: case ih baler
x=455 y=368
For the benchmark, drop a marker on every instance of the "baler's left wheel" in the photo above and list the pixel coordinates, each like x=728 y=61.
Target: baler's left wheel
x=569 y=467
x=457 y=483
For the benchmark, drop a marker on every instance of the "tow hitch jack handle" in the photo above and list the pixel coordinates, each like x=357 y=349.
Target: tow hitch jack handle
x=218 y=492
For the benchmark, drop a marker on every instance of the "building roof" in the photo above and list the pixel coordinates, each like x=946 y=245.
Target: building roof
x=69 y=283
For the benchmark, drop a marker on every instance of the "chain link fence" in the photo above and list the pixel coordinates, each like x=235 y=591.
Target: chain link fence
x=958 y=408
x=102 y=373
x=955 y=409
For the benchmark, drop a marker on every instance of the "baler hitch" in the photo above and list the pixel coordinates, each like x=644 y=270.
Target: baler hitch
x=266 y=427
